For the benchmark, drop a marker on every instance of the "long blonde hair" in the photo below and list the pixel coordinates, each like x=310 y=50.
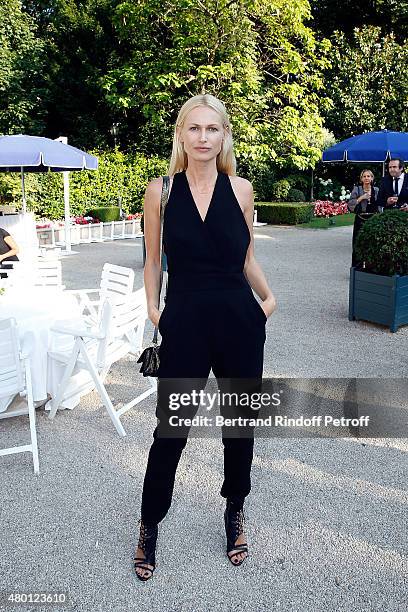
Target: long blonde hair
x=225 y=159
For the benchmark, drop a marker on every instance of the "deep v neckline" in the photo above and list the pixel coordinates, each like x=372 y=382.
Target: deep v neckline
x=194 y=202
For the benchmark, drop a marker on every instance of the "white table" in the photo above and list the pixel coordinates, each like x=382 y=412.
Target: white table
x=36 y=309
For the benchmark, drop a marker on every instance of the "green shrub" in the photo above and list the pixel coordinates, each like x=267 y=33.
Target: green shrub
x=295 y=195
x=285 y=213
x=119 y=176
x=299 y=181
x=280 y=190
x=382 y=243
x=261 y=174
x=105 y=213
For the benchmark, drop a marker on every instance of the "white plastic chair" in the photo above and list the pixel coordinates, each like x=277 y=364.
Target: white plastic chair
x=118 y=333
x=15 y=377
x=115 y=281
x=40 y=272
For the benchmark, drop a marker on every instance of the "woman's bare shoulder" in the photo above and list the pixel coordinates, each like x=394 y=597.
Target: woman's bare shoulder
x=153 y=192
x=241 y=183
x=154 y=186
x=242 y=187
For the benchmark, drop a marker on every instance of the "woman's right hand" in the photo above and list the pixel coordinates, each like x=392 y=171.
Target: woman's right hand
x=365 y=196
x=154 y=315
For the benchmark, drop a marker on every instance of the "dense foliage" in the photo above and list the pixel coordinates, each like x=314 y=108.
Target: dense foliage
x=294 y=76
x=120 y=179
x=367 y=83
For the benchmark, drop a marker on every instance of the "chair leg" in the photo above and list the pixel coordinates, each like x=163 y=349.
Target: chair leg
x=102 y=391
x=64 y=382
x=31 y=416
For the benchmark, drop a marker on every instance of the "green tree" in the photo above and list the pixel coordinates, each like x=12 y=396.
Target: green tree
x=367 y=83
x=390 y=15
x=23 y=89
x=79 y=40
x=256 y=55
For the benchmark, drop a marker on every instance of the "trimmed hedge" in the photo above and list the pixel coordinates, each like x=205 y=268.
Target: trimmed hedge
x=105 y=213
x=284 y=213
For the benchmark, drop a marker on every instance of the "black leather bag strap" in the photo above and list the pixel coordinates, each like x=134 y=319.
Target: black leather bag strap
x=163 y=201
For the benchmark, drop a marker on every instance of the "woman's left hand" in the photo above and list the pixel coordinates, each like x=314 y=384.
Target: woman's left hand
x=268 y=306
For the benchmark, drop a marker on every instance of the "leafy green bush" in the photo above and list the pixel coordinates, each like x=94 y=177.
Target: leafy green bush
x=280 y=190
x=10 y=188
x=105 y=213
x=382 y=243
x=285 y=213
x=295 y=195
x=299 y=181
x=120 y=176
x=261 y=175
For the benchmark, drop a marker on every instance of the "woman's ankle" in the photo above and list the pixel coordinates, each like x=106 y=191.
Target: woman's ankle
x=237 y=503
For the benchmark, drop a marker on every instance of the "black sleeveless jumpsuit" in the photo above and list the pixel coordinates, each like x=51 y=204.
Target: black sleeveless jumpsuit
x=211 y=320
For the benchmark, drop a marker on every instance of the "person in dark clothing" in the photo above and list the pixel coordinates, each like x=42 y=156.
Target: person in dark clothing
x=8 y=249
x=393 y=192
x=363 y=200
x=211 y=319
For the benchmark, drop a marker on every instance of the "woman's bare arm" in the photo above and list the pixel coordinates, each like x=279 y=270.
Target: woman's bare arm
x=151 y=219
x=13 y=248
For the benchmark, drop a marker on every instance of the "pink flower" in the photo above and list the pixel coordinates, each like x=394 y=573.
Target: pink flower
x=327 y=208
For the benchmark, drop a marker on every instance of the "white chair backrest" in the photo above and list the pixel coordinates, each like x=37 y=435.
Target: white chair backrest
x=116 y=281
x=128 y=313
x=37 y=273
x=48 y=273
x=12 y=379
x=120 y=318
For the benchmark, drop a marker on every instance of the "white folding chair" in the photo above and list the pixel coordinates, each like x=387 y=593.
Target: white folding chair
x=118 y=333
x=15 y=377
x=115 y=281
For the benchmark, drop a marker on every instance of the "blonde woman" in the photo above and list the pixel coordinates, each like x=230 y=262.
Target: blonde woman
x=211 y=319
x=363 y=199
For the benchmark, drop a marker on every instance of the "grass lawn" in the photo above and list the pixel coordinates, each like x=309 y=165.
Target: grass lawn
x=324 y=223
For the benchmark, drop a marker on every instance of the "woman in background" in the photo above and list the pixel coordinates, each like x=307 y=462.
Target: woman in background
x=8 y=249
x=363 y=199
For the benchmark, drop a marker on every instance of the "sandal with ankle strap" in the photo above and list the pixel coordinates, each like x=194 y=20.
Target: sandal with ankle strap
x=234 y=527
x=147 y=542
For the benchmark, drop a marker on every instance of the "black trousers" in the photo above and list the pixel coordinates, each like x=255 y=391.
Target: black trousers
x=222 y=330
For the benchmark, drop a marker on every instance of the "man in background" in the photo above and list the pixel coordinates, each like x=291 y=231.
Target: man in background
x=393 y=192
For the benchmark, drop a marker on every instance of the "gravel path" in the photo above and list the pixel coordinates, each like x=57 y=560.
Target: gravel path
x=325 y=517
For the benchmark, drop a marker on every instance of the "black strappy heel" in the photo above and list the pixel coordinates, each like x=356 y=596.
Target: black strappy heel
x=234 y=526
x=147 y=542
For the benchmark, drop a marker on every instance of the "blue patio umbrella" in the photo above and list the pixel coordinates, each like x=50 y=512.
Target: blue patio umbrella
x=376 y=147
x=20 y=153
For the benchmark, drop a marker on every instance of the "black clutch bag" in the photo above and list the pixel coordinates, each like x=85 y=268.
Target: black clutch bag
x=149 y=358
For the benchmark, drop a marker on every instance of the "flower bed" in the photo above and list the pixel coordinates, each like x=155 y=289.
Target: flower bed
x=327 y=208
x=136 y=216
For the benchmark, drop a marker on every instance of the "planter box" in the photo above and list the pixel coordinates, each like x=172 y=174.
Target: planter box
x=379 y=299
